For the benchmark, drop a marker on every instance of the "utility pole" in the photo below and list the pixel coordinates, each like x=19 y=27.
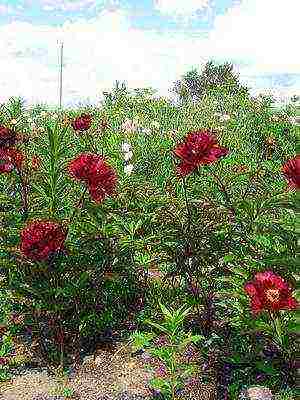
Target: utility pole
x=60 y=74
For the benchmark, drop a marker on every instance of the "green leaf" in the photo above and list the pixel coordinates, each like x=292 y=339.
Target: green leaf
x=266 y=367
x=228 y=258
x=157 y=326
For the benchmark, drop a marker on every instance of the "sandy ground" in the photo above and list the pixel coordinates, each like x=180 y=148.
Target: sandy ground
x=109 y=374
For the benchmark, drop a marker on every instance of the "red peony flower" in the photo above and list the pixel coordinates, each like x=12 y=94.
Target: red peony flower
x=35 y=163
x=92 y=169
x=80 y=167
x=41 y=239
x=9 y=159
x=7 y=137
x=199 y=148
x=291 y=170
x=101 y=189
x=269 y=291
x=3 y=361
x=82 y=123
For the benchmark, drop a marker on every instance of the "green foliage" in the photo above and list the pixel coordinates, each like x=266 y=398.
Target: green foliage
x=6 y=347
x=213 y=79
x=174 y=369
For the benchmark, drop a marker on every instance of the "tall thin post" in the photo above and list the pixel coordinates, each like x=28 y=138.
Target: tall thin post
x=60 y=74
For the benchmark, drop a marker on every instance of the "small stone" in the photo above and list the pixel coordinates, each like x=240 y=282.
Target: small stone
x=98 y=361
x=88 y=359
x=128 y=396
x=46 y=396
x=256 y=393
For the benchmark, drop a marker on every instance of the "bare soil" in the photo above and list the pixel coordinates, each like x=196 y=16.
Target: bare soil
x=106 y=375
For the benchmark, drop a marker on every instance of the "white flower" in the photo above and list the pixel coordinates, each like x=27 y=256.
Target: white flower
x=125 y=147
x=33 y=125
x=225 y=117
x=146 y=131
x=128 y=156
x=29 y=120
x=129 y=126
x=155 y=124
x=190 y=261
x=128 y=169
x=294 y=120
x=13 y=121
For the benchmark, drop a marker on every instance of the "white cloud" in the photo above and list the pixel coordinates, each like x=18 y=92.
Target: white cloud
x=5 y=9
x=97 y=52
x=180 y=7
x=67 y=5
x=262 y=32
x=106 y=48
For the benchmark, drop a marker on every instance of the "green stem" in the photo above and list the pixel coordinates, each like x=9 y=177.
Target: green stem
x=232 y=210
x=224 y=192
x=91 y=143
x=189 y=219
x=277 y=328
x=77 y=208
x=24 y=194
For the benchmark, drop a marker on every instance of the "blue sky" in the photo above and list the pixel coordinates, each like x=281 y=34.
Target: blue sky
x=144 y=42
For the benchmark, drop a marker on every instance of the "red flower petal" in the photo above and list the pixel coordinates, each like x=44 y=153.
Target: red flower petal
x=256 y=305
x=82 y=123
x=269 y=291
x=80 y=167
x=270 y=279
x=10 y=158
x=251 y=289
x=292 y=303
x=40 y=239
x=185 y=169
x=291 y=171
x=7 y=137
x=93 y=169
x=199 y=148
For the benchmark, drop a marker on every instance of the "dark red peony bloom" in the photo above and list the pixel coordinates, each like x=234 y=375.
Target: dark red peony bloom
x=93 y=170
x=82 y=123
x=3 y=361
x=10 y=159
x=80 y=167
x=199 y=148
x=7 y=137
x=269 y=291
x=41 y=239
x=291 y=171
x=103 y=123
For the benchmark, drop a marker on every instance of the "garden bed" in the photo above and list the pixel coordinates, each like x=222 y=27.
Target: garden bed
x=165 y=233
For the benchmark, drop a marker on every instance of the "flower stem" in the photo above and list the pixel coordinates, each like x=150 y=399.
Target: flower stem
x=223 y=190
x=24 y=194
x=76 y=209
x=277 y=328
x=189 y=219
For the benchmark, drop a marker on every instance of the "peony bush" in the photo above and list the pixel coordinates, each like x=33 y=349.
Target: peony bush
x=97 y=202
